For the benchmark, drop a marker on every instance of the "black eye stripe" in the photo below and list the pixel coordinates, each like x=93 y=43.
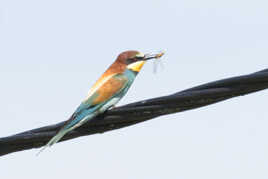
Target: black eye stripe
x=131 y=60
x=139 y=58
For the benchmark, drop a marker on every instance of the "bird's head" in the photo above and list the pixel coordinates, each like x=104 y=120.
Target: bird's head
x=134 y=60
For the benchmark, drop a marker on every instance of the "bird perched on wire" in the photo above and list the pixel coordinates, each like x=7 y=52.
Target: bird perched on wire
x=107 y=91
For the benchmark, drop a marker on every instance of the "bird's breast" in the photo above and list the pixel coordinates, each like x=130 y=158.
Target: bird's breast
x=131 y=75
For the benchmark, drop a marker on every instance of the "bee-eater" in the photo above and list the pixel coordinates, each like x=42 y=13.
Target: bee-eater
x=107 y=91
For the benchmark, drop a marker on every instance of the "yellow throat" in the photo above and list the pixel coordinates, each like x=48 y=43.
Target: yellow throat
x=136 y=66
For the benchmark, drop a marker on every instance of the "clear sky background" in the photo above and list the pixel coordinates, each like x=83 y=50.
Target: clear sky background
x=52 y=51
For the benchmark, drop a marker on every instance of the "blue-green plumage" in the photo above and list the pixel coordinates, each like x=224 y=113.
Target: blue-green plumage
x=87 y=110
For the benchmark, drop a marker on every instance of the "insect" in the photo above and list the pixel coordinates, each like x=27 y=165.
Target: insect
x=157 y=62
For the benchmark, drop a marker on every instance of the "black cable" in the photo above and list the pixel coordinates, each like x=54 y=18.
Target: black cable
x=134 y=113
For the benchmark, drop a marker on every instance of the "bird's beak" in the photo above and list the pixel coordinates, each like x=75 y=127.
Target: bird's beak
x=153 y=56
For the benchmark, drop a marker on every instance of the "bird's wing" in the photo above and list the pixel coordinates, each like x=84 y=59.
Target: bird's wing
x=109 y=88
x=99 y=95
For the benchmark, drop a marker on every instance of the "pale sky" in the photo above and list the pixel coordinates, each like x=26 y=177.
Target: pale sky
x=51 y=52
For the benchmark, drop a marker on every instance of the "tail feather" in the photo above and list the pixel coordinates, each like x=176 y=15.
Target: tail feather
x=69 y=126
x=54 y=140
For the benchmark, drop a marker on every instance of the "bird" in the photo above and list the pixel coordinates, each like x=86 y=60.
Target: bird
x=107 y=91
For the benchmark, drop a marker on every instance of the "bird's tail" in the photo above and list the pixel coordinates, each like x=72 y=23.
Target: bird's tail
x=73 y=123
x=69 y=126
x=54 y=140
